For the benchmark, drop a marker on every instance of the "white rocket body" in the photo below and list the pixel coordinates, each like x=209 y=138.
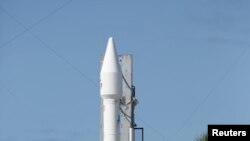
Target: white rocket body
x=111 y=92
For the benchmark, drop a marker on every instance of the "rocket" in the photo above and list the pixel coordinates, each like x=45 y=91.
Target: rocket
x=111 y=92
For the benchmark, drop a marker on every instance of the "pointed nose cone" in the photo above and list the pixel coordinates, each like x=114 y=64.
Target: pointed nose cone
x=110 y=61
x=111 y=75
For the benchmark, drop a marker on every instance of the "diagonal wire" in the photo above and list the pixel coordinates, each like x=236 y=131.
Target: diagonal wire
x=127 y=117
x=49 y=47
x=154 y=129
x=64 y=59
x=220 y=80
x=126 y=82
x=28 y=29
x=33 y=25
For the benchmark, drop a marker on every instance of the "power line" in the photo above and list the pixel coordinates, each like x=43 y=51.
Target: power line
x=47 y=45
x=155 y=130
x=28 y=29
x=209 y=93
x=65 y=60
x=34 y=24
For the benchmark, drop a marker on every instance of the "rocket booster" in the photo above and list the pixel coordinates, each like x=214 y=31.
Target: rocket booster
x=111 y=92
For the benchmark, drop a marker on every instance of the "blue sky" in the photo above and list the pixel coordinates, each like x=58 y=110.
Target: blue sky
x=191 y=65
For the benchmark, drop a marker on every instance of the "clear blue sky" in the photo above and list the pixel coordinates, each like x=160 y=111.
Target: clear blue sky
x=191 y=65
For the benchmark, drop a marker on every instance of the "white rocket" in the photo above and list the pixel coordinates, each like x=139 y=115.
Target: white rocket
x=111 y=92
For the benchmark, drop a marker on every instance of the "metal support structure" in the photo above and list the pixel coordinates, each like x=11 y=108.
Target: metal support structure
x=126 y=62
x=142 y=130
x=132 y=123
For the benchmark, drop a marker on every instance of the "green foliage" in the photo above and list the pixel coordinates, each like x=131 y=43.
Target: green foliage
x=202 y=137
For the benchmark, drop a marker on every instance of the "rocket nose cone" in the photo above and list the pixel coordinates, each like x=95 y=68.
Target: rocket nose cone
x=110 y=61
x=111 y=75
